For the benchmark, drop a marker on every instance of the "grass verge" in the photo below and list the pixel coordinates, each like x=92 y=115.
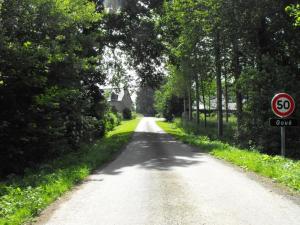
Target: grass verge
x=211 y=130
x=23 y=198
x=280 y=169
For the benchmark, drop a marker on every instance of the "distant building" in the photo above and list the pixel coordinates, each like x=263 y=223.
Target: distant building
x=113 y=5
x=213 y=105
x=120 y=100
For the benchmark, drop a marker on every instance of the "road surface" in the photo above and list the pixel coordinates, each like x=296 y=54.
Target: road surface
x=159 y=181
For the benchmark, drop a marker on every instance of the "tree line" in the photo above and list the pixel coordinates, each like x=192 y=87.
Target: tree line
x=238 y=51
x=51 y=68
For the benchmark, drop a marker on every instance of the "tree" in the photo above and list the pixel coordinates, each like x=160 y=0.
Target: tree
x=294 y=11
x=133 y=31
x=48 y=69
x=257 y=57
x=145 y=101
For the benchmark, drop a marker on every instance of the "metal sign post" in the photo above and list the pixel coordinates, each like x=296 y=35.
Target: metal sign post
x=282 y=141
x=283 y=105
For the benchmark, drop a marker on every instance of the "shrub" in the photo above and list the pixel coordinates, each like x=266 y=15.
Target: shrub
x=119 y=116
x=111 y=121
x=134 y=115
x=114 y=110
x=158 y=115
x=127 y=115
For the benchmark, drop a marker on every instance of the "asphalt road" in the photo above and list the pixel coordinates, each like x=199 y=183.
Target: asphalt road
x=159 y=181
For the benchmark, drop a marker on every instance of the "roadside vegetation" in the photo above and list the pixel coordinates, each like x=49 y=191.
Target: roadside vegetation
x=57 y=59
x=22 y=198
x=279 y=169
x=228 y=57
x=210 y=128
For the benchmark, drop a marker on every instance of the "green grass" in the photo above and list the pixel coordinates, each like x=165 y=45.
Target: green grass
x=211 y=129
x=21 y=199
x=281 y=170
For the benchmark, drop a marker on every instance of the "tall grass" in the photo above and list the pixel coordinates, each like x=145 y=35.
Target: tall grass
x=211 y=129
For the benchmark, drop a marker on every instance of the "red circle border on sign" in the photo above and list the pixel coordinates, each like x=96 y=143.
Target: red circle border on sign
x=290 y=111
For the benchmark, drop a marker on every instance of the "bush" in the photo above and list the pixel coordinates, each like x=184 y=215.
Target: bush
x=119 y=116
x=168 y=116
x=134 y=115
x=94 y=128
x=158 y=115
x=127 y=115
x=111 y=121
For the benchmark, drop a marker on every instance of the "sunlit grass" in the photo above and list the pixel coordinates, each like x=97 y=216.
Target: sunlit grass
x=22 y=198
x=280 y=169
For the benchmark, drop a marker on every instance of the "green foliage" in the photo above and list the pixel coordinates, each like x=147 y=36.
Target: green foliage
x=168 y=106
x=168 y=99
x=294 y=11
x=281 y=170
x=127 y=114
x=145 y=101
x=138 y=37
x=48 y=73
x=22 y=198
x=254 y=49
x=111 y=120
x=261 y=86
x=211 y=128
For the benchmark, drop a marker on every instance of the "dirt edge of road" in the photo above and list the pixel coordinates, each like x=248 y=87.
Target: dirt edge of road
x=273 y=186
x=267 y=182
x=45 y=215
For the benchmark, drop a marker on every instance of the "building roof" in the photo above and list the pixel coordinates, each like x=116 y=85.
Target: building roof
x=118 y=95
x=213 y=105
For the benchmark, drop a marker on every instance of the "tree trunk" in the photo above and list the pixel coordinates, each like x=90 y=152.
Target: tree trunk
x=204 y=103
x=184 y=108
x=237 y=70
x=197 y=99
x=209 y=105
x=261 y=42
x=238 y=94
x=226 y=97
x=219 y=83
x=190 y=104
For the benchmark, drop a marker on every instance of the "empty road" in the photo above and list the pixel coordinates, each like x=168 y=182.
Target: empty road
x=159 y=181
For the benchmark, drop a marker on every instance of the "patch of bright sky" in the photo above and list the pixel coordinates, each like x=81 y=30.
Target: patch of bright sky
x=115 y=64
x=113 y=5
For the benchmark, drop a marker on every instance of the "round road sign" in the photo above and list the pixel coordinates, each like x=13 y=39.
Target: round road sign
x=283 y=105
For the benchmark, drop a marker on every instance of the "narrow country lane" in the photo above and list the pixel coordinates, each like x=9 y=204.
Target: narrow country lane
x=159 y=181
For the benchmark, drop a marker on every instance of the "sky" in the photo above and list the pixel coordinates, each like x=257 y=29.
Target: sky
x=115 y=65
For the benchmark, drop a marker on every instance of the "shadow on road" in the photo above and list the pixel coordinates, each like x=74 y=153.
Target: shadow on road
x=154 y=151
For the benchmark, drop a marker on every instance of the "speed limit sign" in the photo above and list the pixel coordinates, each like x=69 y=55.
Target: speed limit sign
x=283 y=105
